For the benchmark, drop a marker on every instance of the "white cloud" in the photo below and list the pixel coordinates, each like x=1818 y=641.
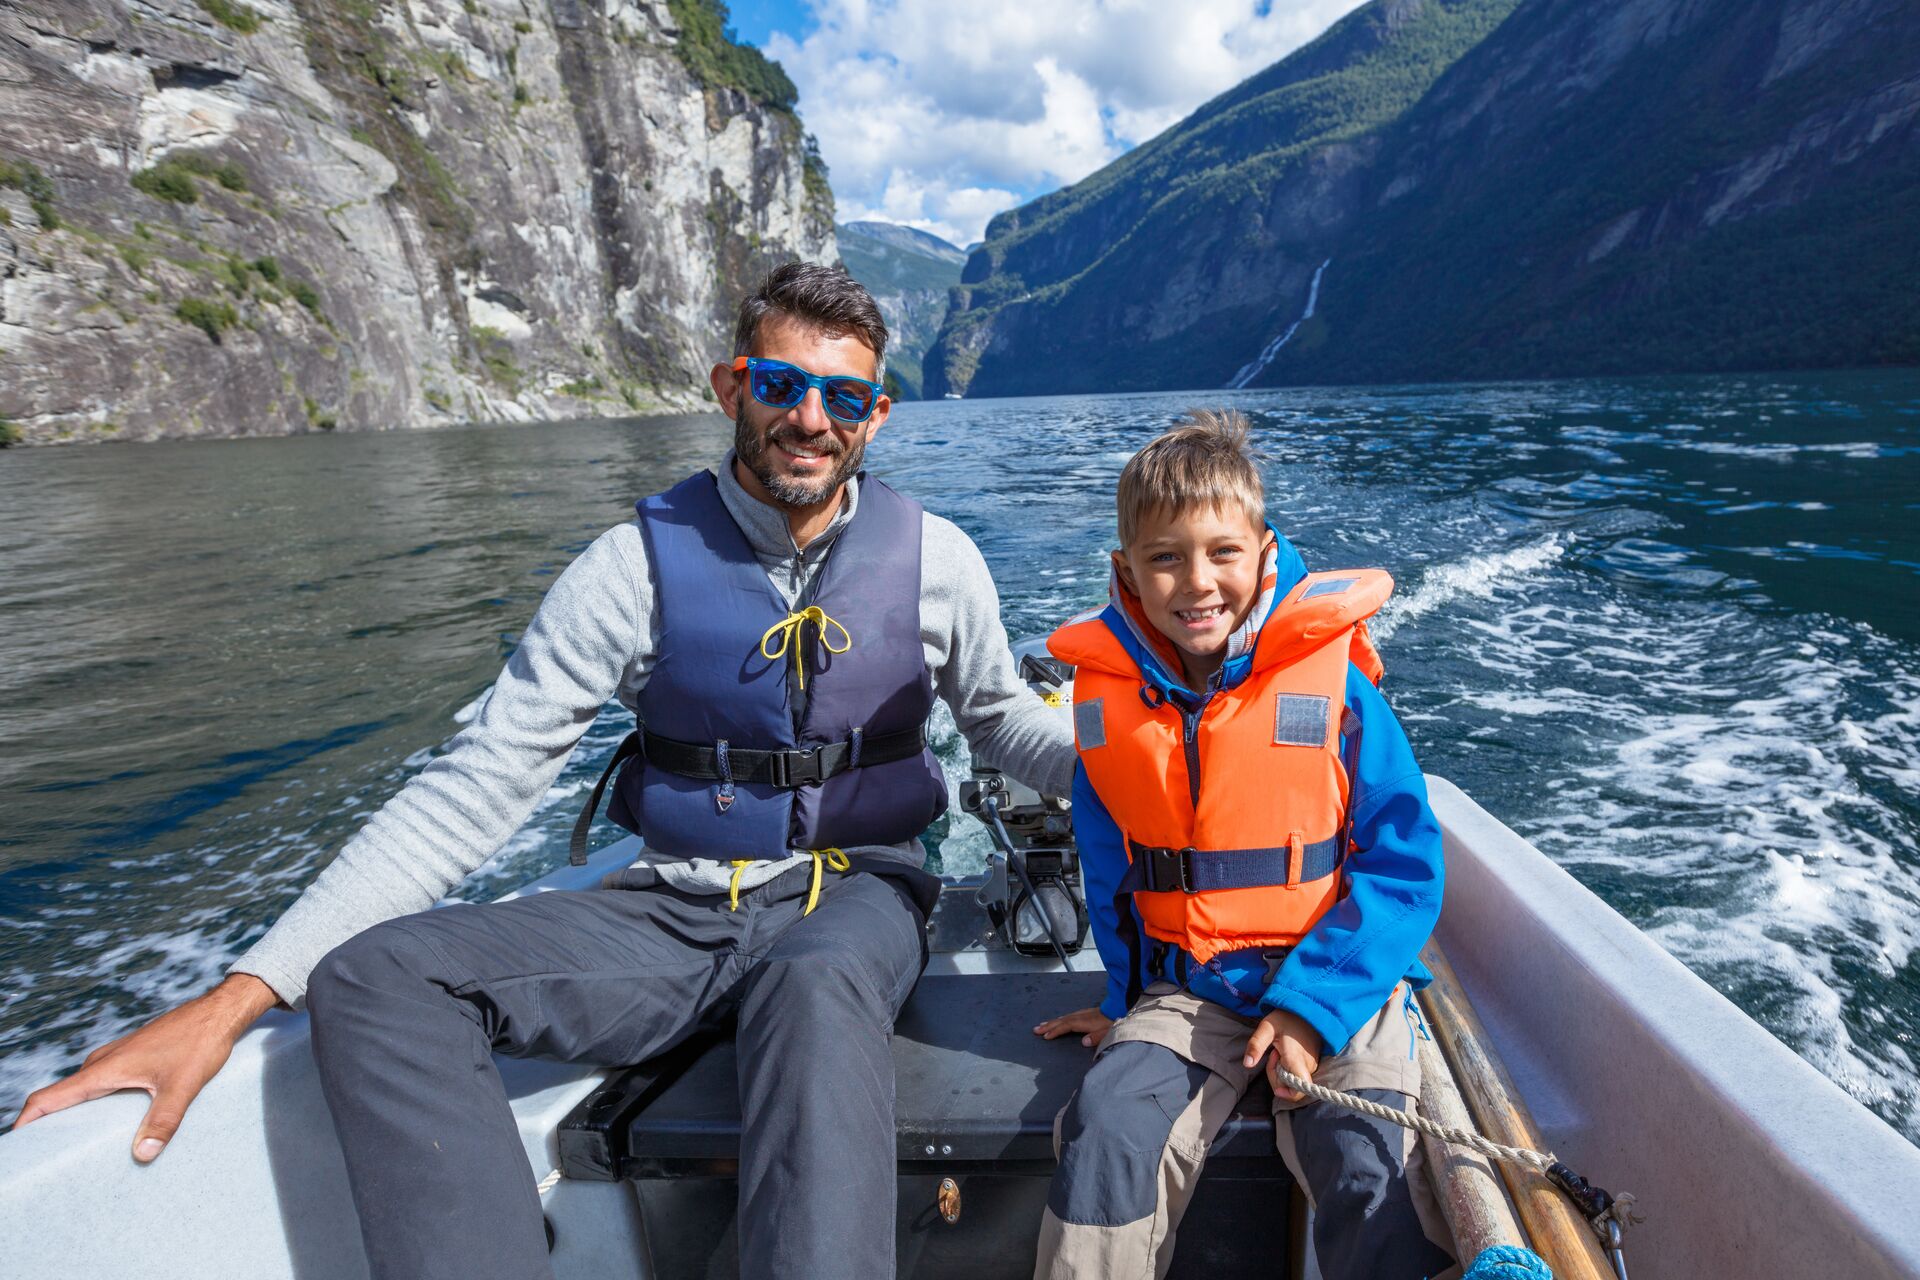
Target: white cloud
x=940 y=115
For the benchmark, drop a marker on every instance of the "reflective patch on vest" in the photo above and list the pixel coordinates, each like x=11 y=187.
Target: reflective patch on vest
x=1331 y=587
x=1300 y=719
x=1089 y=724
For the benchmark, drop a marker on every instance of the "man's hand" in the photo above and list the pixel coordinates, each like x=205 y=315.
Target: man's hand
x=1091 y=1021
x=1296 y=1047
x=172 y=1058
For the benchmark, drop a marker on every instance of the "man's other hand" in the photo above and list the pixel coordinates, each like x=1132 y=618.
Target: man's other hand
x=1296 y=1047
x=172 y=1058
x=1090 y=1021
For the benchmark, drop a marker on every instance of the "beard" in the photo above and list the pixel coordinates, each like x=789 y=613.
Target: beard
x=752 y=446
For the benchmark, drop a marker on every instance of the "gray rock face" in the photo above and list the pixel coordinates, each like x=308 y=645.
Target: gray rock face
x=288 y=215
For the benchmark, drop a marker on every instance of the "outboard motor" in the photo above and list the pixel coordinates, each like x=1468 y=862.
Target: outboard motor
x=1033 y=893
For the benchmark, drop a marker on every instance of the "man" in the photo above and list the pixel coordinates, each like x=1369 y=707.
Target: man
x=780 y=627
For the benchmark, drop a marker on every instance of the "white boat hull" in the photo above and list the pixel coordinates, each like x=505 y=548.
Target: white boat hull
x=1748 y=1162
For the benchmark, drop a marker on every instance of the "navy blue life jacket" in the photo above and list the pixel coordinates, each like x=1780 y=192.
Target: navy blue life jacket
x=735 y=758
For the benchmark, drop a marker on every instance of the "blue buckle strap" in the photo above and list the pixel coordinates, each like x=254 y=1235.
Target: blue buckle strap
x=1190 y=870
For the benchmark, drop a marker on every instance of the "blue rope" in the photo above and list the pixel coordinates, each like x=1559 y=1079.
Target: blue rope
x=1508 y=1262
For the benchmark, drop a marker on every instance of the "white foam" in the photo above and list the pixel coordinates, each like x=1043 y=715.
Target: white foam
x=1718 y=761
x=1479 y=575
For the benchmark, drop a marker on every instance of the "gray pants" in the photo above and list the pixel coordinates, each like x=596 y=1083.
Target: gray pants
x=1133 y=1140
x=407 y=1017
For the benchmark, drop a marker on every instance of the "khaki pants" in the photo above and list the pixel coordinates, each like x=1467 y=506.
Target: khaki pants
x=1133 y=1140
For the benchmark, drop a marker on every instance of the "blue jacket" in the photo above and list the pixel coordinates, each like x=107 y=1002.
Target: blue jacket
x=1342 y=972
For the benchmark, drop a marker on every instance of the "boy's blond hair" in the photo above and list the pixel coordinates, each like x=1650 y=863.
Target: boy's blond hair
x=1204 y=461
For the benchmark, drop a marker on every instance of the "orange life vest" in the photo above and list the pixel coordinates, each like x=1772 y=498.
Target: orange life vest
x=1234 y=819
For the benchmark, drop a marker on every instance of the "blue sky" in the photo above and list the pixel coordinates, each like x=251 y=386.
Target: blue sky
x=755 y=20
x=939 y=114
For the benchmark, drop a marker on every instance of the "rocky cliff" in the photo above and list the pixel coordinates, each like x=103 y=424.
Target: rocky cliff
x=909 y=273
x=228 y=218
x=1482 y=189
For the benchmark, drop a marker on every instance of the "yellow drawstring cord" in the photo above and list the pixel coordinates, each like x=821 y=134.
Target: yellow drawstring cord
x=788 y=629
x=834 y=858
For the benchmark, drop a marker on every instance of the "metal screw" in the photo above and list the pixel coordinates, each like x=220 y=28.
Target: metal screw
x=929 y=1148
x=946 y=1149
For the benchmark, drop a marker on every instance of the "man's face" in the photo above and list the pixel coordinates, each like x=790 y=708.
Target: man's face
x=801 y=456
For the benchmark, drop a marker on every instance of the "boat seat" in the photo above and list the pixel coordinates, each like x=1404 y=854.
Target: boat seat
x=976 y=1095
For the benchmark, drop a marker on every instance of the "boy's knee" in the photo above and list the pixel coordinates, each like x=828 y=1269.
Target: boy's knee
x=1115 y=1132
x=1365 y=1220
x=1351 y=1162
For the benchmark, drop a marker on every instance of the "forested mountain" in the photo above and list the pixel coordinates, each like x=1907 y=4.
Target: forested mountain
x=1483 y=189
x=908 y=272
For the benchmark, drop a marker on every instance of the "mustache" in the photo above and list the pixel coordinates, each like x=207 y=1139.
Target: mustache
x=826 y=444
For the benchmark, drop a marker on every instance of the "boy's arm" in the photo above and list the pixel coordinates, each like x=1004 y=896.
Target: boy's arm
x=1102 y=863
x=1348 y=964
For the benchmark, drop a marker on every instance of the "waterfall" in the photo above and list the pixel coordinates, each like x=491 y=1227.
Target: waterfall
x=1251 y=370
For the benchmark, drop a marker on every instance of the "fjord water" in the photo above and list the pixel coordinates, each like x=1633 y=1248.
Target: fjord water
x=1668 y=629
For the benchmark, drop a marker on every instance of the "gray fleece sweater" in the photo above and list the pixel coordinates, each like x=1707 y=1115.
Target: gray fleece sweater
x=594 y=637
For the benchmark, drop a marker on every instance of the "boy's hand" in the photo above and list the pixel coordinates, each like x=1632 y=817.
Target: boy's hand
x=1296 y=1046
x=1091 y=1021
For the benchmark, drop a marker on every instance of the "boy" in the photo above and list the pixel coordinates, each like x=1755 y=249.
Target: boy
x=1260 y=855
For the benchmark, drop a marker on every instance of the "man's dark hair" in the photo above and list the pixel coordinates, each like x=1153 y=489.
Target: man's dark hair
x=826 y=297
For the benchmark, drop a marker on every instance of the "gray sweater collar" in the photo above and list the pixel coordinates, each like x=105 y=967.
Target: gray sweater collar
x=766 y=526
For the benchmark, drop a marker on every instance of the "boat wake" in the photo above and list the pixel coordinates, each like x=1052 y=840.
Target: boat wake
x=1479 y=575
x=1733 y=785
x=1253 y=368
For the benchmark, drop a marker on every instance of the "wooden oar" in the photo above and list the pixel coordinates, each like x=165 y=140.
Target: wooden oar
x=1470 y=1193
x=1554 y=1228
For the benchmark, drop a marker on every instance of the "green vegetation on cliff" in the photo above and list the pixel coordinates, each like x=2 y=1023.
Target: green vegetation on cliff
x=211 y=318
x=173 y=178
x=25 y=177
x=237 y=17
x=709 y=49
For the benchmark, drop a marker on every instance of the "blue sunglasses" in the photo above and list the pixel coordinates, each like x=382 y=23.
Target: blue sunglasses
x=780 y=385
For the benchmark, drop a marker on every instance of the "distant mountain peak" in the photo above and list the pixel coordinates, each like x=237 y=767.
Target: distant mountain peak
x=901 y=236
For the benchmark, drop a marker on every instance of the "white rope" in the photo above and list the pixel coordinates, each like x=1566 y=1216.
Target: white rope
x=1538 y=1161
x=549 y=1182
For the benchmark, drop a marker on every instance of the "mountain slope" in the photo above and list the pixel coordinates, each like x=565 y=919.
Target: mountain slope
x=1175 y=251
x=220 y=217
x=908 y=272
x=1595 y=186
x=1655 y=186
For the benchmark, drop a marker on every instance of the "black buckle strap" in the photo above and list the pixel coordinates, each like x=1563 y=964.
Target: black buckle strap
x=801 y=767
x=788 y=767
x=1190 y=870
x=795 y=767
x=577 y=845
x=1167 y=869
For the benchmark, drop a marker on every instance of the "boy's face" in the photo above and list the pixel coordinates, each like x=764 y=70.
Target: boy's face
x=1197 y=574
